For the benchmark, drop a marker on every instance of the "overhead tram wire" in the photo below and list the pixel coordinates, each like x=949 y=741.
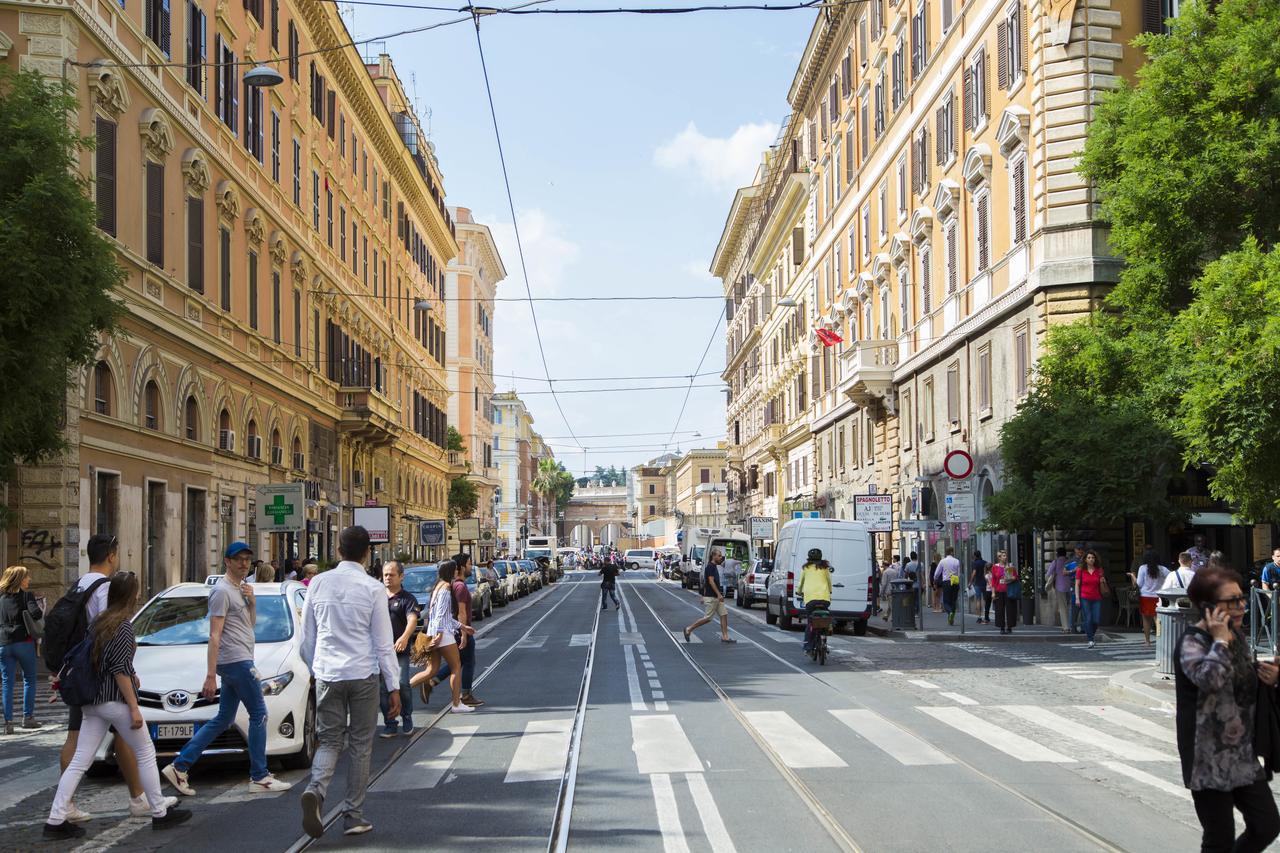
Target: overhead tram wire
x=476 y=14
x=642 y=10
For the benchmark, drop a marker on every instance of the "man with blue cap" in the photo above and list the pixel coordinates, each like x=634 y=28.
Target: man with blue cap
x=232 y=614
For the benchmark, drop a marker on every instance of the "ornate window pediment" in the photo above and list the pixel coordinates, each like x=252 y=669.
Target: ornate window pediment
x=881 y=266
x=109 y=91
x=977 y=166
x=1011 y=132
x=922 y=221
x=195 y=172
x=946 y=199
x=276 y=246
x=899 y=249
x=865 y=282
x=157 y=135
x=228 y=200
x=254 y=228
x=298 y=265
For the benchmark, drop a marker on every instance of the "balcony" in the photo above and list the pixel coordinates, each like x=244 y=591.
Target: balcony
x=868 y=372
x=367 y=415
x=458 y=464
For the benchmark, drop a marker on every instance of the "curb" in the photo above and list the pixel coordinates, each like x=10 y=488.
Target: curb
x=1123 y=685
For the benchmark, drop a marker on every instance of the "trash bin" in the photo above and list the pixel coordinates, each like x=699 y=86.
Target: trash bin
x=1172 y=614
x=903 y=603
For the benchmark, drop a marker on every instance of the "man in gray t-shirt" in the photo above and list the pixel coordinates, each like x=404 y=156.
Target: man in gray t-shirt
x=232 y=614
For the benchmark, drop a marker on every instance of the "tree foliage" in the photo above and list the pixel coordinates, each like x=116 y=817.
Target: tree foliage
x=453 y=440
x=463 y=498
x=60 y=270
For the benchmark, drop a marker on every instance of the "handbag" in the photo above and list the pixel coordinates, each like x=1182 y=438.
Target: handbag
x=1104 y=586
x=424 y=648
x=35 y=627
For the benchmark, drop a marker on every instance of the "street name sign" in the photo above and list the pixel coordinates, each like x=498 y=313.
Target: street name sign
x=281 y=508
x=875 y=511
x=922 y=525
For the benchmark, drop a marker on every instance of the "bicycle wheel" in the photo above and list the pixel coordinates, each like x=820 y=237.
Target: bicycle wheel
x=822 y=651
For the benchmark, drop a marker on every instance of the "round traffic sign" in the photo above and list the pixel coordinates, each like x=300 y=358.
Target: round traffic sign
x=958 y=465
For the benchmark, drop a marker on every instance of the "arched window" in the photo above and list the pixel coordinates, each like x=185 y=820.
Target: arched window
x=102 y=388
x=151 y=405
x=277 y=449
x=191 y=414
x=254 y=441
x=226 y=435
x=299 y=461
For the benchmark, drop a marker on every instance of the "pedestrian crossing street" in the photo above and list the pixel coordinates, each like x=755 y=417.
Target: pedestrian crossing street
x=1077 y=661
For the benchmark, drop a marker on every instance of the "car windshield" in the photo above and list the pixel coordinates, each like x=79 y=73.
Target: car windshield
x=420 y=581
x=183 y=620
x=695 y=553
x=527 y=565
x=501 y=569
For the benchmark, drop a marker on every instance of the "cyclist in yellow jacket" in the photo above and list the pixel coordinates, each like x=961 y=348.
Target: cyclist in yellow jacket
x=814 y=589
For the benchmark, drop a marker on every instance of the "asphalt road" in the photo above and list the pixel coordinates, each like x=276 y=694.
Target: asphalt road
x=605 y=731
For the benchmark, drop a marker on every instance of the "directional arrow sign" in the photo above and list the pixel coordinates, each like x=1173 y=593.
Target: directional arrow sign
x=922 y=525
x=280 y=508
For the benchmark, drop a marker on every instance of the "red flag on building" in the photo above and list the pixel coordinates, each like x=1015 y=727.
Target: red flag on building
x=828 y=337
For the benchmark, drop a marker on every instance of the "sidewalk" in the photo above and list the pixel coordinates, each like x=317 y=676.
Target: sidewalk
x=1144 y=686
x=936 y=629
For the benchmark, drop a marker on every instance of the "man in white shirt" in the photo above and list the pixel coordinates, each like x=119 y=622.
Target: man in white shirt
x=1181 y=576
x=347 y=642
x=948 y=575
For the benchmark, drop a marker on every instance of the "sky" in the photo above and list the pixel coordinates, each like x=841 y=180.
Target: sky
x=625 y=137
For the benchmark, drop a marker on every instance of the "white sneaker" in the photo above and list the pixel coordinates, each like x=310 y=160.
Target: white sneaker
x=1092 y=644
x=268 y=784
x=75 y=815
x=178 y=780
x=139 y=807
x=461 y=709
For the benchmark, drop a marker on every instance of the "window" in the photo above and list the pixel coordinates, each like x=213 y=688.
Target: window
x=275 y=305
x=275 y=24
x=224 y=268
x=297 y=323
x=908 y=425
x=920 y=160
x=864 y=127
x=277 y=448
x=275 y=145
x=253 y=131
x=929 y=407
x=191 y=419
x=315 y=338
x=882 y=210
x=945 y=135
x=105 y=166
x=342 y=136
x=254 y=7
x=1018 y=198
x=226 y=435
x=155 y=213
x=902 y=188
x=225 y=104
x=704 y=475
x=1021 y=359
x=106 y=504
x=948 y=15
x=328 y=206
x=919 y=40
x=653 y=510
x=984 y=380
x=103 y=389
x=342 y=232
x=151 y=405
x=977 y=100
x=253 y=441
x=866 y=233
x=197 y=45
x=982 y=230
x=195 y=243
x=294 y=48
x=652 y=488
x=951 y=261
x=898 y=74
x=1156 y=13
x=253 y=290
x=1011 y=47
x=953 y=395
x=880 y=97
x=299 y=460
x=297 y=173
x=157 y=23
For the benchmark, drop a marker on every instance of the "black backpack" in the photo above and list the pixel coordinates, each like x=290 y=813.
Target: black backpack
x=78 y=681
x=67 y=623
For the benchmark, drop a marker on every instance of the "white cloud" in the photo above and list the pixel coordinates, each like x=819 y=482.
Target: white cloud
x=698 y=271
x=548 y=253
x=723 y=163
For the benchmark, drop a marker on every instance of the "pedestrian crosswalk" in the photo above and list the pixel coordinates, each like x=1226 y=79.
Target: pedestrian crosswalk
x=1119 y=650
x=1078 y=669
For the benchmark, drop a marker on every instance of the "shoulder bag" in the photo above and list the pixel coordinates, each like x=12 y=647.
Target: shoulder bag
x=35 y=627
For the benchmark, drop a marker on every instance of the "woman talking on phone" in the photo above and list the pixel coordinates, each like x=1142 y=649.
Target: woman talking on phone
x=1219 y=687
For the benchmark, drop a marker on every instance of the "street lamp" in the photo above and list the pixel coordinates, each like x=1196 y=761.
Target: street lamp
x=787 y=302
x=262 y=77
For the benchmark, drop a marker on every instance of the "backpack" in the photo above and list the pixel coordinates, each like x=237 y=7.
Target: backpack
x=67 y=623
x=78 y=681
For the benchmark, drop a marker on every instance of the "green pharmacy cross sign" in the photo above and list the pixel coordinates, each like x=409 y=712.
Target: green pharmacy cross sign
x=280 y=508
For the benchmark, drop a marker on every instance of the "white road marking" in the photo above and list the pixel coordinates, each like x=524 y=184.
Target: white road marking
x=959 y=698
x=633 y=681
x=654 y=683
x=693 y=638
x=798 y=748
x=995 y=736
x=664 y=799
x=540 y=754
x=658 y=694
x=1132 y=722
x=780 y=637
x=1088 y=735
x=426 y=772
x=580 y=640
x=927 y=685
x=712 y=822
x=5 y=762
x=532 y=642
x=630 y=638
x=1147 y=779
x=661 y=746
x=17 y=790
x=892 y=671
x=485 y=642
x=659 y=705
x=897 y=742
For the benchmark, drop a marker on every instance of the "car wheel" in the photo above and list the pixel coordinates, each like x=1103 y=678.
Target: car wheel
x=633 y=566
x=785 y=622
x=301 y=759
x=860 y=628
x=489 y=610
x=769 y=616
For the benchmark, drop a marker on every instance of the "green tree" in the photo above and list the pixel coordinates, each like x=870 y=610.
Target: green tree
x=60 y=270
x=462 y=498
x=453 y=440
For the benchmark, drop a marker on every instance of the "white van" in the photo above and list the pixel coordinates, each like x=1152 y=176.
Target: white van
x=846 y=545
x=638 y=558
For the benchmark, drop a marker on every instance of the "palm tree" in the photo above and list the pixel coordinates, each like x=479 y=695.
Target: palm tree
x=547 y=480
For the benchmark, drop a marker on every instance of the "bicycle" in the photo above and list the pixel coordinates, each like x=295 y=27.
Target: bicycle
x=818 y=627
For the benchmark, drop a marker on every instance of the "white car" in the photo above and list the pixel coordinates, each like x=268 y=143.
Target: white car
x=173 y=638
x=639 y=558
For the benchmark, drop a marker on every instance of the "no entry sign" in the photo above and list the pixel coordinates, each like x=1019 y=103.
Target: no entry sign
x=958 y=465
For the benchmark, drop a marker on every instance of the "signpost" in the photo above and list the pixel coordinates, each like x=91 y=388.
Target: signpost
x=281 y=508
x=431 y=533
x=761 y=527
x=376 y=520
x=958 y=465
x=960 y=508
x=876 y=511
x=922 y=525
x=806 y=513
x=468 y=529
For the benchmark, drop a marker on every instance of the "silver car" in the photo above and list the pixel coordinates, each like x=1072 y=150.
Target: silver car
x=754 y=584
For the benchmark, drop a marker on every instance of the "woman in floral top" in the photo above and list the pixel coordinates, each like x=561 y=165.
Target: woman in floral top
x=1217 y=689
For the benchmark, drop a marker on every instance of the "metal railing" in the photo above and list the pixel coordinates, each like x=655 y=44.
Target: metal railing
x=1263 y=607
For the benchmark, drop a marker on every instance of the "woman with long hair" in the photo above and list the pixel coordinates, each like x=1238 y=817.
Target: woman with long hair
x=444 y=627
x=1219 y=689
x=17 y=646
x=116 y=704
x=1004 y=582
x=1148 y=579
x=1089 y=583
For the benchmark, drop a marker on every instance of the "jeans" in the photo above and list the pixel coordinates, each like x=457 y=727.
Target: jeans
x=609 y=590
x=14 y=655
x=466 y=657
x=406 y=697
x=1075 y=613
x=950 y=594
x=1217 y=820
x=240 y=686
x=346 y=716
x=1092 y=611
x=97 y=720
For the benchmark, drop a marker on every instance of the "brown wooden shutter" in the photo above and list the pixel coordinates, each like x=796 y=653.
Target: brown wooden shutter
x=155 y=214
x=926 y=283
x=1022 y=35
x=952 y=271
x=797 y=246
x=1020 y=201
x=985 y=106
x=924 y=156
x=166 y=27
x=105 y=157
x=940 y=122
x=1002 y=54
x=195 y=243
x=1152 y=16
x=331 y=109
x=968 y=99
x=915 y=166
x=984 y=235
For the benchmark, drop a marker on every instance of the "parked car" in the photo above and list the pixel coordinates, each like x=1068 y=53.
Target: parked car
x=498 y=585
x=846 y=545
x=481 y=595
x=419 y=581
x=639 y=558
x=530 y=568
x=754 y=585
x=173 y=640
x=512 y=581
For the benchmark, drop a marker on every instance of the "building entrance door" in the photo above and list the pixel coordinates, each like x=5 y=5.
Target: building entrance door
x=153 y=536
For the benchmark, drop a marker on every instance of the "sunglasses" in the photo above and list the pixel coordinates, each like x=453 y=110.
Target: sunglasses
x=1237 y=601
